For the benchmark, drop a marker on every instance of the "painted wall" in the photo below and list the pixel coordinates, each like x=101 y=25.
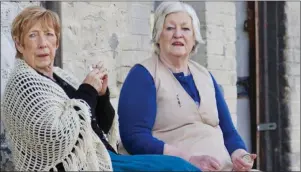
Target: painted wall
x=242 y=69
x=117 y=33
x=292 y=54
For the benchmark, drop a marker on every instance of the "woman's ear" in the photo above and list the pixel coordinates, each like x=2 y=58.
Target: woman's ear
x=18 y=45
x=57 y=45
x=193 y=48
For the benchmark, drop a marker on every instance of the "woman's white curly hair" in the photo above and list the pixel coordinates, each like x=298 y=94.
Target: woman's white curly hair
x=166 y=8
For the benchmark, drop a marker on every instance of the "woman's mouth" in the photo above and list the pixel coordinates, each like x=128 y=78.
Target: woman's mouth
x=177 y=44
x=43 y=55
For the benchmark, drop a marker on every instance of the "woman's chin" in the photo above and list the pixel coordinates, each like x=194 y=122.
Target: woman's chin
x=179 y=54
x=44 y=64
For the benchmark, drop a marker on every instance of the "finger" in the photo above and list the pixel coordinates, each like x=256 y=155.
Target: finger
x=99 y=67
x=204 y=168
x=102 y=74
x=214 y=164
x=215 y=160
x=94 y=71
x=253 y=156
x=235 y=168
x=237 y=165
x=242 y=164
x=100 y=64
x=212 y=167
x=238 y=168
x=105 y=77
x=103 y=69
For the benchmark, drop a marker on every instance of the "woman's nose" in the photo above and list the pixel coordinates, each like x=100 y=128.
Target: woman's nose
x=178 y=33
x=42 y=42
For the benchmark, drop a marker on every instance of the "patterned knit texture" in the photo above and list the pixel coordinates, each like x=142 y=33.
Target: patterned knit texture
x=44 y=128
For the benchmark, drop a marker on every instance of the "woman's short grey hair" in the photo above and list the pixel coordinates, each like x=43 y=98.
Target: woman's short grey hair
x=166 y=8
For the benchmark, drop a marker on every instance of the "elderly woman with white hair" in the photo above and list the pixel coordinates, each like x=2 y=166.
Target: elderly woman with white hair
x=171 y=105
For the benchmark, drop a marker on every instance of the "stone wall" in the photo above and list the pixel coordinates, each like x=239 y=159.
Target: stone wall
x=292 y=55
x=221 y=48
x=117 y=33
x=218 y=54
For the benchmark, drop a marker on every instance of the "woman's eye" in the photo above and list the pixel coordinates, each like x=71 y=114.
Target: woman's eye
x=50 y=34
x=186 y=28
x=32 y=35
x=169 y=28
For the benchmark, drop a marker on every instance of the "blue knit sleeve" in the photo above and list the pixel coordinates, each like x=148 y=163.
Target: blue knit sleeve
x=137 y=113
x=232 y=138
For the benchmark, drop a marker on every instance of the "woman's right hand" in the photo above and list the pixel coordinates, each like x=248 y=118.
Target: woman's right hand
x=205 y=163
x=94 y=78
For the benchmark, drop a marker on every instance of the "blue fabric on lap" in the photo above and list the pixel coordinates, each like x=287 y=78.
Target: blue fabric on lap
x=150 y=163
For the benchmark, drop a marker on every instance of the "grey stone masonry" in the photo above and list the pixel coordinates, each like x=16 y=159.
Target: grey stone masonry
x=292 y=55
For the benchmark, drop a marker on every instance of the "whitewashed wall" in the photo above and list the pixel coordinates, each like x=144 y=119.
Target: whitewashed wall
x=117 y=33
x=292 y=54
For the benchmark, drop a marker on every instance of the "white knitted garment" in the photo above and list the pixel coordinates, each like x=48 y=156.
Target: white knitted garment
x=43 y=126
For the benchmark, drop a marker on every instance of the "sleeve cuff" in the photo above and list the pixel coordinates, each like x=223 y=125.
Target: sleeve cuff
x=105 y=97
x=237 y=146
x=87 y=93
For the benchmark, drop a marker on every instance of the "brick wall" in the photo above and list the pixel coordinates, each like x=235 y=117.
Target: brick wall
x=220 y=48
x=137 y=44
x=117 y=33
x=218 y=54
x=292 y=55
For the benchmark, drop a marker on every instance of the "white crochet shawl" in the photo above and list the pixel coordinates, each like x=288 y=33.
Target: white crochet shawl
x=43 y=126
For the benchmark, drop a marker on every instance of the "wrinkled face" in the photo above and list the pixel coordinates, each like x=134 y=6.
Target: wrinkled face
x=39 y=47
x=177 y=37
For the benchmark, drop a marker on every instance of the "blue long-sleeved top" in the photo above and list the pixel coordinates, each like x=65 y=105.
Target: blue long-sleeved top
x=137 y=112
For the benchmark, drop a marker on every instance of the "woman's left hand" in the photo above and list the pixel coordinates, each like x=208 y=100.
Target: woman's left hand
x=104 y=71
x=239 y=161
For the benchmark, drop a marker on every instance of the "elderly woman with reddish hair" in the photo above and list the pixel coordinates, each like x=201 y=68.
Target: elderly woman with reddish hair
x=54 y=122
